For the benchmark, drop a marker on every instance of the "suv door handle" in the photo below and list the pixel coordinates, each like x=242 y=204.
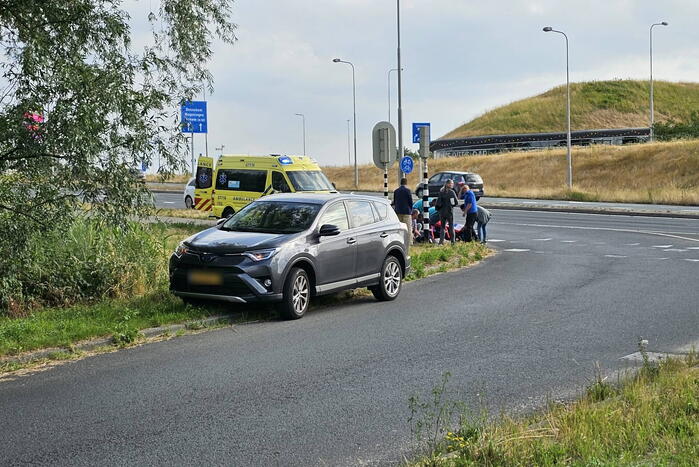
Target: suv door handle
x=383 y=235
x=351 y=240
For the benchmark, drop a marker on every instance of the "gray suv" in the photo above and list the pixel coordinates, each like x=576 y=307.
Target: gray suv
x=288 y=248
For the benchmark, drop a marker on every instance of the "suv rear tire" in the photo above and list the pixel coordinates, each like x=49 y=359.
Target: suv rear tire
x=296 y=294
x=390 y=281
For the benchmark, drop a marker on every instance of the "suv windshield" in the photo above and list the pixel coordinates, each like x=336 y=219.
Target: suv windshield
x=315 y=180
x=273 y=217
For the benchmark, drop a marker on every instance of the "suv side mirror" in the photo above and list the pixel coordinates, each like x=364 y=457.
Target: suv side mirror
x=328 y=230
x=221 y=220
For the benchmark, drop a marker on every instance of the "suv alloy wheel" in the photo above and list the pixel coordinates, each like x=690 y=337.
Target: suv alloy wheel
x=391 y=280
x=296 y=295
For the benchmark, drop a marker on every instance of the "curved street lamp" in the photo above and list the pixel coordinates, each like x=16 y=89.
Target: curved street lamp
x=389 y=92
x=652 y=117
x=569 y=156
x=354 y=108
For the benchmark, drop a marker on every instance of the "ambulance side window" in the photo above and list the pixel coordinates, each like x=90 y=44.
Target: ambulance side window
x=279 y=183
x=241 y=180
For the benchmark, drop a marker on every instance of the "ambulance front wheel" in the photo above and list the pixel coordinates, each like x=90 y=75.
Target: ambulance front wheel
x=228 y=212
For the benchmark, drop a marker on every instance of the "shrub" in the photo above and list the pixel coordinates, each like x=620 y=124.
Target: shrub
x=88 y=260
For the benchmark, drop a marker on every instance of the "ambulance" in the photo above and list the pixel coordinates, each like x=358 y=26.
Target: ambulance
x=237 y=180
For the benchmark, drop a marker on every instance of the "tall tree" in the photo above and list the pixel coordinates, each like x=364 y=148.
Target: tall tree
x=80 y=105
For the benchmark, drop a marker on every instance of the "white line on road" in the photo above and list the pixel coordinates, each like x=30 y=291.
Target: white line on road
x=607 y=229
x=168 y=202
x=693 y=247
x=615 y=256
x=675 y=249
x=541 y=239
x=662 y=246
x=692 y=260
x=495 y=240
x=568 y=241
x=517 y=250
x=631 y=244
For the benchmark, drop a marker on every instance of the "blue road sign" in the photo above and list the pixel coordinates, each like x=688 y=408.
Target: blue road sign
x=416 y=131
x=406 y=164
x=194 y=117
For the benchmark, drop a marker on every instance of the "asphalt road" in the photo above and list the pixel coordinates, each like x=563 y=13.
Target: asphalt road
x=564 y=291
x=166 y=199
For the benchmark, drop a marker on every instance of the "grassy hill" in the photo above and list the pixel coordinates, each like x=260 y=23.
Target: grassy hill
x=594 y=105
x=640 y=173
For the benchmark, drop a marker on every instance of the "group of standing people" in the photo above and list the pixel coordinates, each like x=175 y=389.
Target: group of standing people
x=446 y=201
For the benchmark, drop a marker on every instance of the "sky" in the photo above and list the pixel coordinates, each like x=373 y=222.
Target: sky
x=460 y=59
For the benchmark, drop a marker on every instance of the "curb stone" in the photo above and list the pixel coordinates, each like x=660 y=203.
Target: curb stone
x=93 y=344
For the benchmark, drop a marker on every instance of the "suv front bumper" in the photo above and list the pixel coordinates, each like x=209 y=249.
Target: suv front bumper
x=234 y=288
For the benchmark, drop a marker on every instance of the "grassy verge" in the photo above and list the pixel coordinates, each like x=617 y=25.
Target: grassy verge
x=650 y=419
x=123 y=316
x=428 y=259
x=666 y=173
x=184 y=213
x=176 y=178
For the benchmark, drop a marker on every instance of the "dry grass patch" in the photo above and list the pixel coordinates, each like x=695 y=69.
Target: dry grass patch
x=666 y=173
x=177 y=178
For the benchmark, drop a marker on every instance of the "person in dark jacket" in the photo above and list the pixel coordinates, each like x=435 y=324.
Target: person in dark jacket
x=446 y=202
x=403 y=204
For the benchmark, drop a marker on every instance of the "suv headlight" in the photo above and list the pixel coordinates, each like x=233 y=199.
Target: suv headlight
x=181 y=250
x=261 y=255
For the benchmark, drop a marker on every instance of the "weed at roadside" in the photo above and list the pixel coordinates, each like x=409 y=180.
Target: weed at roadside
x=651 y=418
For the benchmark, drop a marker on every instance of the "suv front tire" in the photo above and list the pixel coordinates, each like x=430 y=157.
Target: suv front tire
x=390 y=281
x=296 y=295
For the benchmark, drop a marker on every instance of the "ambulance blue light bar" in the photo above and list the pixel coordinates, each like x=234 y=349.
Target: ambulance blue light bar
x=285 y=160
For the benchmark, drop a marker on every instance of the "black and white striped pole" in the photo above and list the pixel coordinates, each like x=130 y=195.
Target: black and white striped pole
x=424 y=154
x=385 y=181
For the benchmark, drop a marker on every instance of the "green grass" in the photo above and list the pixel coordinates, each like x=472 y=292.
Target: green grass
x=594 y=105
x=649 y=419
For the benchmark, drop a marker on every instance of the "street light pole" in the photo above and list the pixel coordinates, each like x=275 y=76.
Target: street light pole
x=354 y=111
x=652 y=117
x=400 y=97
x=569 y=156
x=303 y=118
x=349 y=157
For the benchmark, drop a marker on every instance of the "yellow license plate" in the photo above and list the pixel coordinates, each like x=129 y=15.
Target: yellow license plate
x=205 y=278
